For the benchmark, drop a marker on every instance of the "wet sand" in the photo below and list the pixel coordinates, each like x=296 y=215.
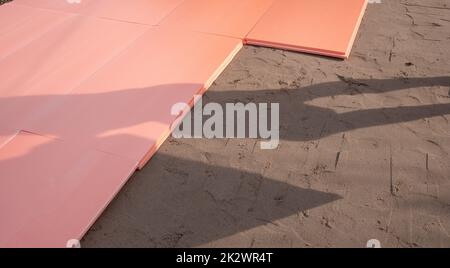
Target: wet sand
x=364 y=150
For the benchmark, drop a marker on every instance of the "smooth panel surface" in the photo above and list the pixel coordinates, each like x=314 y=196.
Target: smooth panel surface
x=6 y=135
x=19 y=25
x=125 y=108
x=233 y=18
x=60 y=5
x=326 y=27
x=149 y=12
x=52 y=191
x=37 y=76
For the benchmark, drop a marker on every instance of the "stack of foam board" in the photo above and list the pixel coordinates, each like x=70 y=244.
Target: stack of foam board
x=324 y=27
x=86 y=92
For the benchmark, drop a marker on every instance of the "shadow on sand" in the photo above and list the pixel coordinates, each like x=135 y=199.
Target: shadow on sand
x=175 y=202
x=160 y=207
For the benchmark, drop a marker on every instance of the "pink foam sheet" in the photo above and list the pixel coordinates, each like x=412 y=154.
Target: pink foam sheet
x=6 y=135
x=52 y=191
x=324 y=27
x=56 y=63
x=125 y=108
x=19 y=25
x=58 y=5
x=149 y=12
x=233 y=18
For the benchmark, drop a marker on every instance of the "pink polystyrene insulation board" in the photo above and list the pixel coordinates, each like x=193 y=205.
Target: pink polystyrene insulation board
x=19 y=25
x=56 y=63
x=325 y=27
x=149 y=12
x=52 y=191
x=233 y=18
x=6 y=135
x=125 y=108
x=58 y=5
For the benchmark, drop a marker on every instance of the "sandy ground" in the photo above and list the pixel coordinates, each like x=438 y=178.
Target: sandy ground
x=364 y=151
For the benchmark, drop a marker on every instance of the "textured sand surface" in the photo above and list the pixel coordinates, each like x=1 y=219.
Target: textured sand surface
x=364 y=150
